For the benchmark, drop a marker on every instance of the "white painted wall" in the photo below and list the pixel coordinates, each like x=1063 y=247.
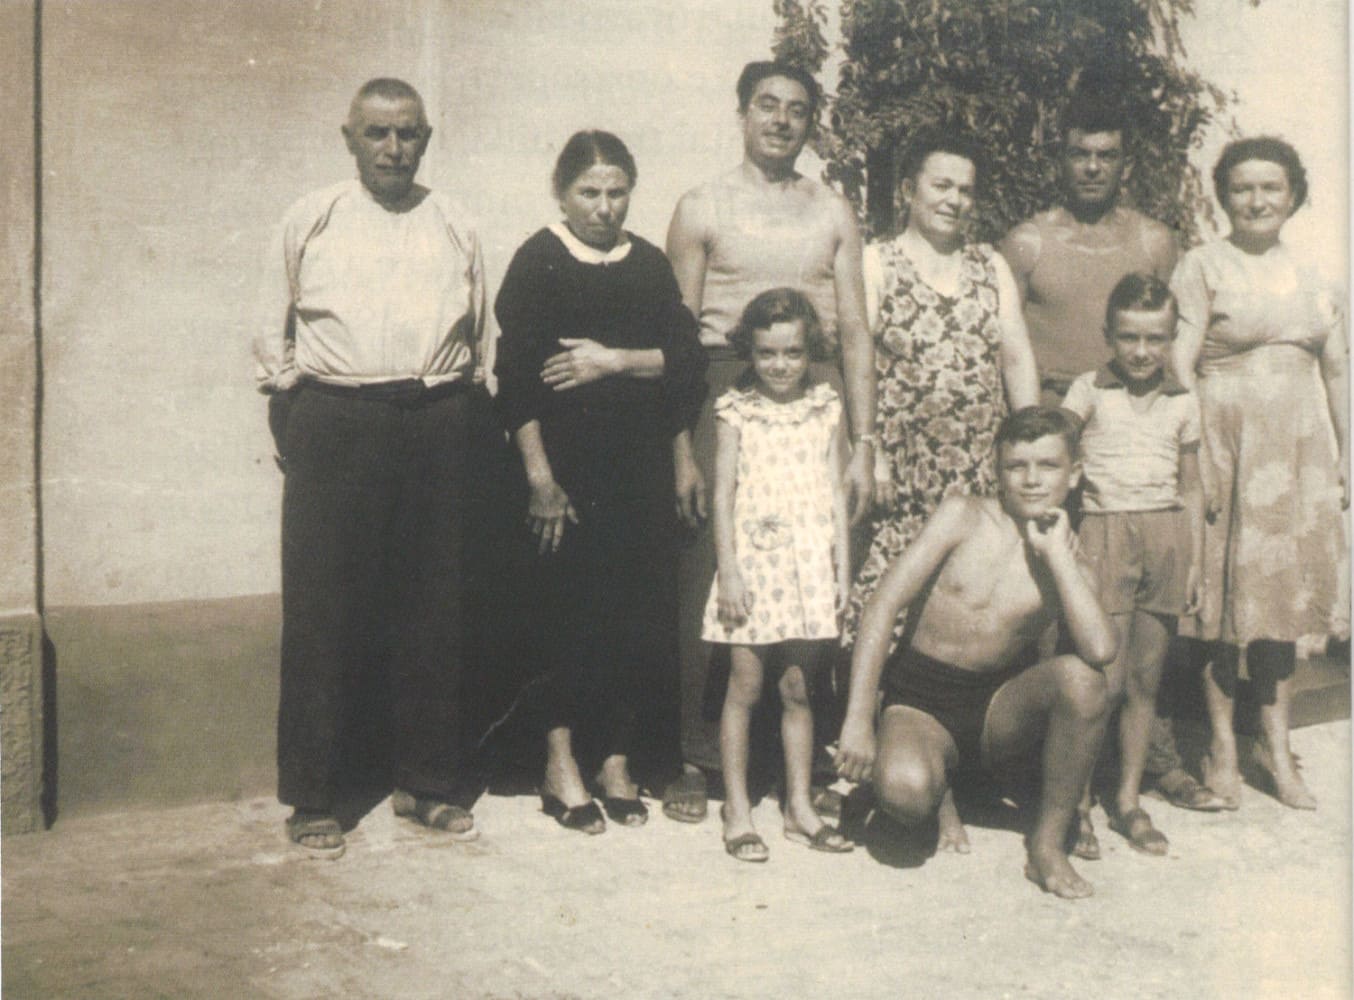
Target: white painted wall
x=18 y=356
x=176 y=132
x=1288 y=63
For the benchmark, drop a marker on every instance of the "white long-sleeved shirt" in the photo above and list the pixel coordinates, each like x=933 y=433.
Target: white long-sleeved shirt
x=354 y=293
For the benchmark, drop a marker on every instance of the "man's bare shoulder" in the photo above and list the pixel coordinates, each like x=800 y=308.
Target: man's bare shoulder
x=709 y=189
x=1022 y=245
x=837 y=205
x=1157 y=238
x=695 y=208
x=1154 y=227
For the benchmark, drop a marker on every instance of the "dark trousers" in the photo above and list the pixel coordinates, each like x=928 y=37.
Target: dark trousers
x=378 y=499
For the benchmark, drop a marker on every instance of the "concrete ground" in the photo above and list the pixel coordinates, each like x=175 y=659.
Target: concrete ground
x=210 y=901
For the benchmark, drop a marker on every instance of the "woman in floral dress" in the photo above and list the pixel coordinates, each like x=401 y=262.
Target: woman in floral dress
x=949 y=338
x=1262 y=331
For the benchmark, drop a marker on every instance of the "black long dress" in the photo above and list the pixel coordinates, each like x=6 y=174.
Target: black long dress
x=601 y=613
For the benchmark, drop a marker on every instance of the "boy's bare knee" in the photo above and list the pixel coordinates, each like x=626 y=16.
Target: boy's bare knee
x=909 y=791
x=1082 y=688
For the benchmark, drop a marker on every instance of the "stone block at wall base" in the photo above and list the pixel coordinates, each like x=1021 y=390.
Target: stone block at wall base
x=21 y=724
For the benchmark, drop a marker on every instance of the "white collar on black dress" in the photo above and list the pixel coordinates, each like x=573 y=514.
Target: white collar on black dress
x=580 y=251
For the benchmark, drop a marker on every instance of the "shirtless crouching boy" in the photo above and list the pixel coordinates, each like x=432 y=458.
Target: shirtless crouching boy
x=981 y=583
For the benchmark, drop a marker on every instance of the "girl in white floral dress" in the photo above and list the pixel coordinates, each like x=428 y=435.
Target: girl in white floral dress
x=781 y=544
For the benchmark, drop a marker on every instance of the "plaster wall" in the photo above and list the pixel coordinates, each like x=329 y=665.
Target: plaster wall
x=18 y=343
x=1287 y=61
x=176 y=134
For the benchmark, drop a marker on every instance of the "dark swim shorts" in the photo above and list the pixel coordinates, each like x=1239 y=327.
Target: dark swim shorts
x=954 y=697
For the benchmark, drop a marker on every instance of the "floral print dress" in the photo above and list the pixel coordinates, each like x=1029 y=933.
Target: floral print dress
x=940 y=399
x=1273 y=552
x=783 y=516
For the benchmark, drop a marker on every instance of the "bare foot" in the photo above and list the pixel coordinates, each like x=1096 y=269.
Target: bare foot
x=953 y=837
x=1051 y=871
x=1289 y=787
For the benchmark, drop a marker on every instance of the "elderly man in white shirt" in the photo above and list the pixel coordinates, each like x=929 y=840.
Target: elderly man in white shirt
x=369 y=344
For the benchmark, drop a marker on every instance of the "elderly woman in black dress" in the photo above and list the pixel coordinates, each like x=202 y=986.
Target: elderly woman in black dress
x=599 y=373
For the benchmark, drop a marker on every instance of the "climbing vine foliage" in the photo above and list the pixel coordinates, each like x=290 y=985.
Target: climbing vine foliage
x=1003 y=70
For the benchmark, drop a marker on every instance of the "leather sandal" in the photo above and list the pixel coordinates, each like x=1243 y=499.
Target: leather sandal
x=1136 y=827
x=454 y=821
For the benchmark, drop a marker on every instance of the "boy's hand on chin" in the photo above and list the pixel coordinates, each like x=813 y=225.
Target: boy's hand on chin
x=1049 y=532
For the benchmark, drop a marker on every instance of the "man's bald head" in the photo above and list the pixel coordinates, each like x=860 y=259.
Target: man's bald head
x=387 y=133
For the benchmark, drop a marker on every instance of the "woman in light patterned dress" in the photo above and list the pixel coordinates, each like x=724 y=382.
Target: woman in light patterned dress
x=781 y=546
x=949 y=338
x=1261 y=329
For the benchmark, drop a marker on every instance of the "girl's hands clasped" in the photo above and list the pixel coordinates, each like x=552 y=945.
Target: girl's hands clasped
x=547 y=511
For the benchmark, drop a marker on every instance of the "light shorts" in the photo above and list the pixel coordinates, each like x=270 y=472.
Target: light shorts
x=1138 y=560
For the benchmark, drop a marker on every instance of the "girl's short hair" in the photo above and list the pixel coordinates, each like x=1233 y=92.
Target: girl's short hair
x=586 y=149
x=1264 y=147
x=779 y=305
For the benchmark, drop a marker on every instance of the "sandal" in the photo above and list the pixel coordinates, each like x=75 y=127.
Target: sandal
x=456 y=822
x=627 y=812
x=1184 y=792
x=686 y=800
x=825 y=838
x=827 y=802
x=747 y=847
x=585 y=819
x=301 y=825
x=1136 y=827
